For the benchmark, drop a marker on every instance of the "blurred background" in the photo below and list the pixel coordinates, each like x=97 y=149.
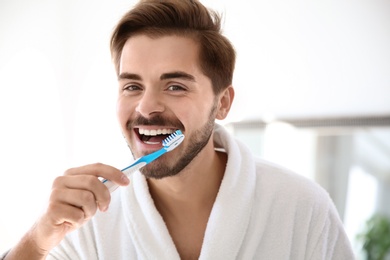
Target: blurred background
x=312 y=93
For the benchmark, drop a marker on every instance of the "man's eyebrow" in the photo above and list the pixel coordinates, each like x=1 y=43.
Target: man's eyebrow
x=177 y=74
x=126 y=75
x=168 y=75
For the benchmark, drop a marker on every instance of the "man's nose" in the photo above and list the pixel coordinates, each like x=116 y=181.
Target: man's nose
x=150 y=103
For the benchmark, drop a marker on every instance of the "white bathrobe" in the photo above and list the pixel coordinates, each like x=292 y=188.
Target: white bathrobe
x=262 y=211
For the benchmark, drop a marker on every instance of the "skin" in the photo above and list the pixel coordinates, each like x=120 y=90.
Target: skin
x=149 y=86
x=75 y=198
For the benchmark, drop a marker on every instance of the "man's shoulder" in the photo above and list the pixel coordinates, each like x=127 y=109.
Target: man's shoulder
x=277 y=180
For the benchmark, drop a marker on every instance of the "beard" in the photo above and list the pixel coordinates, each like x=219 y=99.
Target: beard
x=159 y=168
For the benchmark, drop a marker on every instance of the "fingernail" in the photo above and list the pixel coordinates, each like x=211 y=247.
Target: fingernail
x=125 y=180
x=102 y=208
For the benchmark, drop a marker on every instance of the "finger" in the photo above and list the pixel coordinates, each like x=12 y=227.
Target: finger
x=65 y=216
x=80 y=199
x=101 y=170
x=89 y=187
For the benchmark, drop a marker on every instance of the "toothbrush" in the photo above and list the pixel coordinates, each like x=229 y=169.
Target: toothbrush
x=169 y=143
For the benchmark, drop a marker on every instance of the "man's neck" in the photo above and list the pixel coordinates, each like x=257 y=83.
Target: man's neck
x=193 y=189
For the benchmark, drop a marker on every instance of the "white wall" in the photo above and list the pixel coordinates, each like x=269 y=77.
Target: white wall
x=310 y=58
x=57 y=85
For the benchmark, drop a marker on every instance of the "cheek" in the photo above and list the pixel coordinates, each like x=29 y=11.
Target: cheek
x=123 y=111
x=194 y=116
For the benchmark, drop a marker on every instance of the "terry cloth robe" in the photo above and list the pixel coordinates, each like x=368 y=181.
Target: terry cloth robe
x=262 y=211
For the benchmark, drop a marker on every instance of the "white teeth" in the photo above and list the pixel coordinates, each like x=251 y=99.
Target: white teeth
x=167 y=131
x=155 y=132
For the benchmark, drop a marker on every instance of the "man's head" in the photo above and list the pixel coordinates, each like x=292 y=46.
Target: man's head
x=172 y=75
x=188 y=18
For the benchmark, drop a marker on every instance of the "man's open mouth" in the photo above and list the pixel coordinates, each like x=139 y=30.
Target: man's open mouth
x=153 y=136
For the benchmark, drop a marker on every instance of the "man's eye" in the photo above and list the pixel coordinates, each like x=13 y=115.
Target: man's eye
x=131 y=87
x=175 y=88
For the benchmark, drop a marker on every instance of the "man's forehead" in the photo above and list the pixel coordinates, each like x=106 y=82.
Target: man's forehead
x=164 y=55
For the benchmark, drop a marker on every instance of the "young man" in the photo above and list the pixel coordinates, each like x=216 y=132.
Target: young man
x=208 y=198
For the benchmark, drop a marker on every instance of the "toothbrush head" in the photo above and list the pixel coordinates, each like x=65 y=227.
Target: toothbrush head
x=173 y=140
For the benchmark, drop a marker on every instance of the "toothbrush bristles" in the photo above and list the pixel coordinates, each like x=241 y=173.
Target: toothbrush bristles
x=171 y=137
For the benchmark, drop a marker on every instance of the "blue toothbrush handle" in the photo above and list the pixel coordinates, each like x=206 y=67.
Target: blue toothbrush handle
x=150 y=157
x=127 y=171
x=135 y=166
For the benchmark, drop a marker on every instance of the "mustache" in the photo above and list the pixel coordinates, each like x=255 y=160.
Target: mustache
x=155 y=120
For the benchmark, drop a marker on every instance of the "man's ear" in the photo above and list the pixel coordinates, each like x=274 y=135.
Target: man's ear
x=225 y=101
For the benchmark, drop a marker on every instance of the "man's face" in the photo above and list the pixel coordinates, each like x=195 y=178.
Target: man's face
x=162 y=89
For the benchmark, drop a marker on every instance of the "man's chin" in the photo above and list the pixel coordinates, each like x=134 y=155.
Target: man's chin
x=156 y=171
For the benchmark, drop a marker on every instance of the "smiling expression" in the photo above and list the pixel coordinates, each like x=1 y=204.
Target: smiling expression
x=161 y=89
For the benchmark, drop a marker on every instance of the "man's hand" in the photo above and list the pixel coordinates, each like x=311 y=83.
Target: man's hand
x=75 y=198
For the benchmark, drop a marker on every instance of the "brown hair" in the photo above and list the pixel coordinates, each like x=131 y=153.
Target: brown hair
x=187 y=18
